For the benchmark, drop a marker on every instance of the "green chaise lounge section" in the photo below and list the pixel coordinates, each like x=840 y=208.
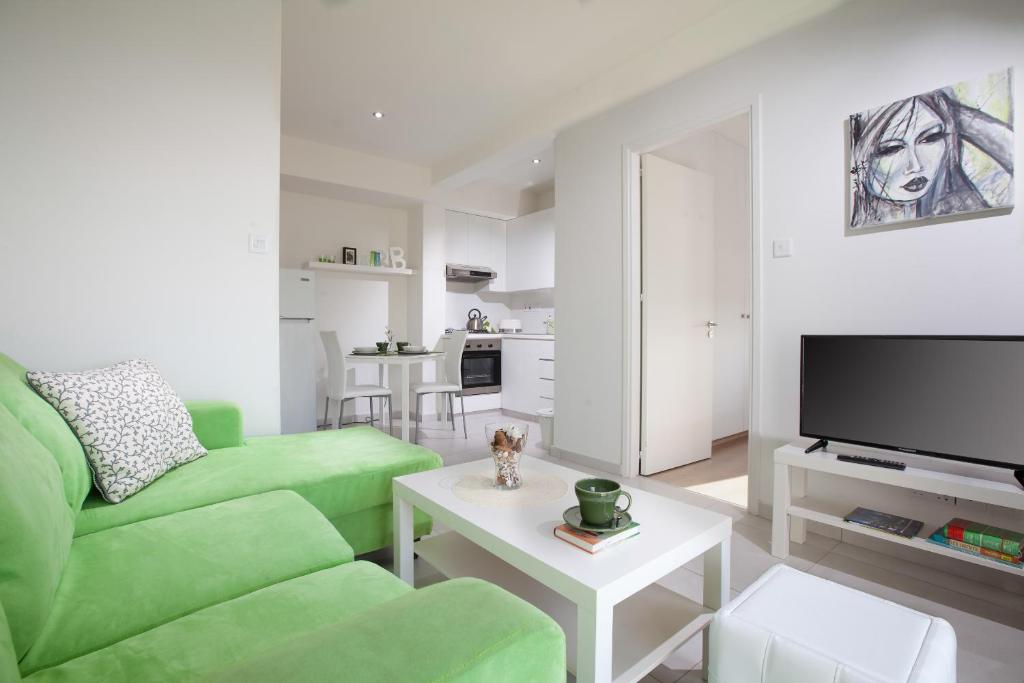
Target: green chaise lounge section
x=344 y=473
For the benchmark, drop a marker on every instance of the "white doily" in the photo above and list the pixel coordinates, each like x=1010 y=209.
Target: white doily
x=536 y=489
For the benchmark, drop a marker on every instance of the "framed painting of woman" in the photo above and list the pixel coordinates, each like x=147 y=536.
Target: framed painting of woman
x=941 y=153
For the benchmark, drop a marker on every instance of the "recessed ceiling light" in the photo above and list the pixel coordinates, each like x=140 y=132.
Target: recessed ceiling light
x=536 y=161
x=377 y=114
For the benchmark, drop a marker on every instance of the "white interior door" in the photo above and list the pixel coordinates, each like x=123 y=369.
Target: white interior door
x=677 y=243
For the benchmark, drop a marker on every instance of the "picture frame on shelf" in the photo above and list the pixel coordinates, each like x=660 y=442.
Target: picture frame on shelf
x=348 y=256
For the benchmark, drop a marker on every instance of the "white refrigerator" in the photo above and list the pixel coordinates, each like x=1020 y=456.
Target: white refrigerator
x=298 y=351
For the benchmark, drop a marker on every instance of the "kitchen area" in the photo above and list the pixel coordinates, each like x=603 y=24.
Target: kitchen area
x=498 y=286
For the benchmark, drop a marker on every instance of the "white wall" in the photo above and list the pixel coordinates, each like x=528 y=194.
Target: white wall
x=357 y=307
x=958 y=277
x=312 y=225
x=140 y=148
x=460 y=297
x=727 y=162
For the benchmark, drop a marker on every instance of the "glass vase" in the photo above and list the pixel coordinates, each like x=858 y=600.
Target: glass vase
x=507 y=441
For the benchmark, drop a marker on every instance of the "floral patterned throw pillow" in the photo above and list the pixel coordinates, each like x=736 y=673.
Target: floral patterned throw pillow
x=132 y=425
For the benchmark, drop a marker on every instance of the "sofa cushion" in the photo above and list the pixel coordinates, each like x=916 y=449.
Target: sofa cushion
x=130 y=579
x=8 y=659
x=229 y=632
x=338 y=471
x=48 y=427
x=355 y=623
x=132 y=425
x=459 y=631
x=36 y=526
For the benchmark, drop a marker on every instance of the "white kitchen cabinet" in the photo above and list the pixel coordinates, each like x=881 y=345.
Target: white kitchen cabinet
x=531 y=251
x=524 y=364
x=498 y=260
x=477 y=241
x=455 y=226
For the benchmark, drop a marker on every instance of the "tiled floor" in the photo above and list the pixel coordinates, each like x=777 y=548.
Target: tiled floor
x=989 y=621
x=722 y=476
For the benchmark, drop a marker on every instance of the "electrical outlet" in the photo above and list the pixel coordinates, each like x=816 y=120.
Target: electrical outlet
x=941 y=497
x=782 y=248
x=258 y=244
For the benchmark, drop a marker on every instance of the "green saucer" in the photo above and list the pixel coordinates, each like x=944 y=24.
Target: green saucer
x=574 y=518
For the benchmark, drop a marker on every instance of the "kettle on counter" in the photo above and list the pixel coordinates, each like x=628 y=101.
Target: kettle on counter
x=475 y=322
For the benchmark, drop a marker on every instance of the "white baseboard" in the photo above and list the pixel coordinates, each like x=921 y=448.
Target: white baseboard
x=585 y=460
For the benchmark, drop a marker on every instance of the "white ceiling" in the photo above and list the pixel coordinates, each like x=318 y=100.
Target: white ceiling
x=526 y=175
x=446 y=72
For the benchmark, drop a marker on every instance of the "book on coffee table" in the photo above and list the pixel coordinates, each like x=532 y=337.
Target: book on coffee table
x=595 y=542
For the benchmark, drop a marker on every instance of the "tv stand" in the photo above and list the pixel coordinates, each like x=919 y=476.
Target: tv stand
x=792 y=507
x=820 y=443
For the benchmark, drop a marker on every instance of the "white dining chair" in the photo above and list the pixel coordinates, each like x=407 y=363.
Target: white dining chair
x=338 y=388
x=449 y=384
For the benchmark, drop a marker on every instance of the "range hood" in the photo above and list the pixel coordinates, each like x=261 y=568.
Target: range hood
x=456 y=272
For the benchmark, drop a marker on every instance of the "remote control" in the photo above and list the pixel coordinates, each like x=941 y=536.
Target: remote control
x=874 y=462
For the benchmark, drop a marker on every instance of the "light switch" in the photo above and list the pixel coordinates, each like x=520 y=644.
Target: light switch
x=782 y=248
x=258 y=244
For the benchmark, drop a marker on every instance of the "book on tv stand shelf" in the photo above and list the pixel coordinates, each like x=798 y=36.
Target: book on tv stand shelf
x=900 y=526
x=982 y=535
x=977 y=551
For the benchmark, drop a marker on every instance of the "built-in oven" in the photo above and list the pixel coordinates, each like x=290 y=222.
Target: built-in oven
x=481 y=366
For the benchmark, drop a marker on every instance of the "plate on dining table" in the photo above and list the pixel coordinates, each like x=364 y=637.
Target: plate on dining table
x=406 y=352
x=365 y=351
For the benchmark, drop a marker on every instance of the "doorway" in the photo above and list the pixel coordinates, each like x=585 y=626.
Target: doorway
x=695 y=310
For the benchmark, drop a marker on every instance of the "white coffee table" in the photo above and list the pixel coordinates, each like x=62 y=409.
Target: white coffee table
x=619 y=623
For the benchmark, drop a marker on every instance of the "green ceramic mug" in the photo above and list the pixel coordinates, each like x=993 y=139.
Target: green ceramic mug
x=597 y=500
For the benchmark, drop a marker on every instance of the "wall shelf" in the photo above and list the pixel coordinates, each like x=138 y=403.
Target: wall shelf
x=358 y=270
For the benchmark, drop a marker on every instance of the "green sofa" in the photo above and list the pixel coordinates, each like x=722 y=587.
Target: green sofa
x=232 y=567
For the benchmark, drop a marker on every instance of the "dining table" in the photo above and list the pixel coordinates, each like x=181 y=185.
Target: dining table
x=404 y=361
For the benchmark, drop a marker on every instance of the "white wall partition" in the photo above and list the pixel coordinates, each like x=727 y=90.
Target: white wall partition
x=358 y=307
x=140 y=150
x=953 y=277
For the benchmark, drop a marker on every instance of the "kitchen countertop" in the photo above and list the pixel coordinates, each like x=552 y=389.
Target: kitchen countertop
x=512 y=335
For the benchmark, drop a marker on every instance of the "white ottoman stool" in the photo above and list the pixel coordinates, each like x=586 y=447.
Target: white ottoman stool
x=791 y=627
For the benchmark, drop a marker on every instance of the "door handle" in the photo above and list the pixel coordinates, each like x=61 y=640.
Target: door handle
x=711 y=325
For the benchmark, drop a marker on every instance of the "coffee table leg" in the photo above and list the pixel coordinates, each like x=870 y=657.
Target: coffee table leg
x=405 y=401
x=594 y=643
x=716 y=587
x=403 y=540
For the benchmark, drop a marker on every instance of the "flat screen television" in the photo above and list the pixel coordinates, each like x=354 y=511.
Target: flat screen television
x=950 y=397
